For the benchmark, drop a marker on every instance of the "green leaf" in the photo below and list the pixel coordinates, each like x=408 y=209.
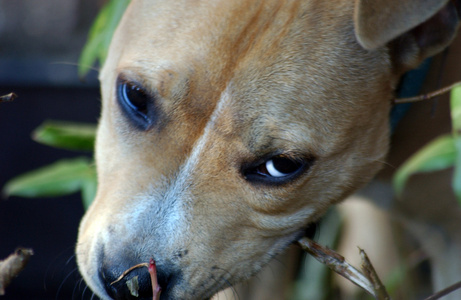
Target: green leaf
x=89 y=187
x=455 y=107
x=67 y=135
x=100 y=35
x=60 y=178
x=437 y=155
x=456 y=183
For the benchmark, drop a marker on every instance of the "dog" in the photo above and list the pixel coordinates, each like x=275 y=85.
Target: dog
x=227 y=127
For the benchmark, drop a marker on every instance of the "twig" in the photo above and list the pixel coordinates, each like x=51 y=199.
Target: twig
x=156 y=290
x=428 y=95
x=9 y=97
x=337 y=263
x=152 y=268
x=371 y=274
x=445 y=291
x=369 y=281
x=12 y=266
x=128 y=271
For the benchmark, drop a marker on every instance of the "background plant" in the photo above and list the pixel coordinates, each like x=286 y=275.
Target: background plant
x=72 y=175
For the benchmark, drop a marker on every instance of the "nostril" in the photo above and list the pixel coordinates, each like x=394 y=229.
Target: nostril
x=139 y=279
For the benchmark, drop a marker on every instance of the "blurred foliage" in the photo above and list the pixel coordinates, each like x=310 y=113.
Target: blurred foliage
x=79 y=174
x=60 y=178
x=64 y=176
x=66 y=135
x=100 y=35
x=441 y=153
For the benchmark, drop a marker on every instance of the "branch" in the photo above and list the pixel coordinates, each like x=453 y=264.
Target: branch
x=8 y=98
x=445 y=291
x=12 y=266
x=428 y=95
x=369 y=282
x=133 y=283
x=370 y=272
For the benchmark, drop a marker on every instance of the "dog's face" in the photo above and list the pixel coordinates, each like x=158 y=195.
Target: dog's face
x=227 y=127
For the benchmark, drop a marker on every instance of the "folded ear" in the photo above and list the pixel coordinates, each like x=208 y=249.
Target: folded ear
x=414 y=29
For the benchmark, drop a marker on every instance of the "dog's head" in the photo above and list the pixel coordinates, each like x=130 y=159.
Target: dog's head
x=228 y=126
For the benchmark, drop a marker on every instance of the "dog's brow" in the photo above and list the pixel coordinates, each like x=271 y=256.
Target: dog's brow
x=199 y=146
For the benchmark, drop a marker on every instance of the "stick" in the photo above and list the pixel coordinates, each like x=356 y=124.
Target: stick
x=8 y=98
x=128 y=271
x=12 y=266
x=371 y=274
x=152 y=268
x=428 y=95
x=445 y=291
x=337 y=263
x=156 y=290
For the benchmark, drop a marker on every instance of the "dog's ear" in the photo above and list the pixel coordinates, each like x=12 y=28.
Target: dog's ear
x=414 y=29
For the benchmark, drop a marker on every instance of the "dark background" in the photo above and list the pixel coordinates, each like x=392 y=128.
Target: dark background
x=40 y=42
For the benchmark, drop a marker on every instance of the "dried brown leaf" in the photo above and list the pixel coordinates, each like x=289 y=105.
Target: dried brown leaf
x=337 y=263
x=12 y=266
x=9 y=97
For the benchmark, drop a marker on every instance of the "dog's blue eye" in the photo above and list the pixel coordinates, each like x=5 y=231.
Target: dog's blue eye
x=134 y=97
x=136 y=103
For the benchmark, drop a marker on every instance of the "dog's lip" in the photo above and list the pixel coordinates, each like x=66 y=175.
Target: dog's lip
x=309 y=231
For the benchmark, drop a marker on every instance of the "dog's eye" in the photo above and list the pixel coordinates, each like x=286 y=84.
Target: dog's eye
x=279 y=167
x=276 y=170
x=135 y=103
x=134 y=97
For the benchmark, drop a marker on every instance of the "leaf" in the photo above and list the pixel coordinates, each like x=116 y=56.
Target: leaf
x=133 y=286
x=89 y=187
x=455 y=107
x=437 y=155
x=100 y=35
x=67 y=135
x=60 y=178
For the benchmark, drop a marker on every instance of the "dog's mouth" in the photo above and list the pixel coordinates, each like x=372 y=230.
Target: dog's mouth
x=146 y=281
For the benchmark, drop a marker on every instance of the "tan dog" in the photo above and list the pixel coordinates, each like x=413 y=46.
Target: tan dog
x=229 y=126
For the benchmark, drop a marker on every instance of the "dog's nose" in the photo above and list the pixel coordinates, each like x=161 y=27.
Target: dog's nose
x=120 y=290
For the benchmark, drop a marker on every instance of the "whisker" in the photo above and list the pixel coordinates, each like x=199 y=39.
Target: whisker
x=87 y=288
x=74 y=64
x=76 y=285
x=378 y=160
x=84 y=291
x=70 y=259
x=233 y=289
x=63 y=281
x=53 y=263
